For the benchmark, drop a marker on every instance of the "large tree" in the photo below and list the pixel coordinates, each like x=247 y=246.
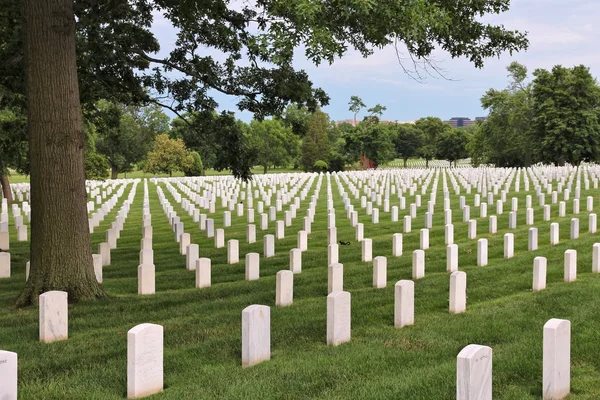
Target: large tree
x=431 y=128
x=273 y=144
x=452 y=145
x=566 y=115
x=409 y=140
x=116 y=55
x=315 y=145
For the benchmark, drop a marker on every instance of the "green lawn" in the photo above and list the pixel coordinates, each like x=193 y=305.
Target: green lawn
x=202 y=353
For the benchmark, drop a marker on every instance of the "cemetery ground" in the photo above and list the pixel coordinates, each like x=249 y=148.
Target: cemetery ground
x=202 y=327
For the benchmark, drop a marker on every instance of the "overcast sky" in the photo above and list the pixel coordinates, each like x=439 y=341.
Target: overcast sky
x=565 y=32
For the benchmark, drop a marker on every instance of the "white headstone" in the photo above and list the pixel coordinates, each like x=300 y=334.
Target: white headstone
x=418 y=264
x=252 y=266
x=367 y=250
x=269 y=246
x=144 y=361
x=539 y=273
x=203 y=272
x=397 y=244
x=482 y=252
x=4 y=265
x=338 y=318
x=54 y=317
x=296 y=261
x=335 y=278
x=458 y=292
x=256 y=335
x=452 y=258
x=233 y=251
x=557 y=359
x=191 y=256
x=380 y=272
x=474 y=373
x=570 y=265
x=509 y=245
x=404 y=303
x=284 y=288
x=146 y=279
x=8 y=375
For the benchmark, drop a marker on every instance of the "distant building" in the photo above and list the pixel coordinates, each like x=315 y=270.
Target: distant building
x=383 y=121
x=460 y=122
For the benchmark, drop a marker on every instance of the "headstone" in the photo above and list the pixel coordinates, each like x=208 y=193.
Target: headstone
x=418 y=264
x=191 y=256
x=4 y=265
x=493 y=224
x=97 y=261
x=54 y=317
x=203 y=272
x=449 y=234
x=144 y=361
x=397 y=244
x=284 y=288
x=104 y=251
x=302 y=241
x=219 y=238
x=472 y=229
x=335 y=278
x=380 y=272
x=554 y=238
x=474 y=373
x=338 y=318
x=251 y=233
x=269 y=246
x=252 y=266
x=233 y=251
x=256 y=335
x=4 y=241
x=458 y=292
x=532 y=239
x=146 y=279
x=8 y=375
x=539 y=273
x=296 y=261
x=424 y=239
x=509 y=245
x=407 y=224
x=184 y=242
x=404 y=303
x=592 y=223
x=557 y=359
x=332 y=254
x=596 y=258
x=482 y=252
x=452 y=258
x=367 y=250
x=22 y=233
x=570 y=265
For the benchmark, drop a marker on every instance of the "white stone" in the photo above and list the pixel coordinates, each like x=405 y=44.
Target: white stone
x=97 y=261
x=472 y=229
x=532 y=239
x=256 y=335
x=424 y=239
x=592 y=223
x=332 y=235
x=4 y=265
x=191 y=256
x=146 y=279
x=251 y=233
x=335 y=278
x=458 y=292
x=539 y=273
x=22 y=233
x=380 y=272
x=452 y=258
x=482 y=252
x=554 y=234
x=4 y=241
x=404 y=303
x=493 y=224
x=407 y=224
x=359 y=232
x=104 y=251
x=574 y=228
x=596 y=258
x=269 y=246
x=8 y=375
x=449 y=234
x=252 y=266
x=279 y=230
x=367 y=250
x=332 y=254
x=302 y=241
x=54 y=317
x=145 y=361
x=296 y=261
x=570 y=265
x=418 y=264
x=203 y=272
x=233 y=251
x=474 y=373
x=284 y=288
x=557 y=359
x=509 y=245
x=397 y=244
x=219 y=238
x=338 y=318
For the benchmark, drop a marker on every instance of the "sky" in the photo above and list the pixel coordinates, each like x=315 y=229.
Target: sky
x=564 y=32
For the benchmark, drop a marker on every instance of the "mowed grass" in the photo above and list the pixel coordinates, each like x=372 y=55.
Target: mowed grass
x=202 y=343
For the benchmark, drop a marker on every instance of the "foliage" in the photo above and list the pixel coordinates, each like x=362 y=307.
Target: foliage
x=273 y=144
x=452 y=145
x=96 y=166
x=296 y=118
x=506 y=135
x=168 y=155
x=356 y=104
x=378 y=143
x=196 y=168
x=320 y=166
x=431 y=129
x=315 y=145
x=566 y=115
x=13 y=141
x=408 y=141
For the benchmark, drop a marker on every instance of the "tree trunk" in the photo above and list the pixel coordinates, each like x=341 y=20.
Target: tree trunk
x=265 y=169
x=61 y=252
x=6 y=192
x=427 y=163
x=114 y=174
x=405 y=160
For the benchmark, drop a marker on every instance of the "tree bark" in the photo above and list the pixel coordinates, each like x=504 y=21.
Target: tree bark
x=6 y=192
x=427 y=163
x=265 y=169
x=114 y=174
x=405 y=160
x=61 y=253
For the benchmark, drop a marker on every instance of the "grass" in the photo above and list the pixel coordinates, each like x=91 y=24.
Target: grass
x=202 y=345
